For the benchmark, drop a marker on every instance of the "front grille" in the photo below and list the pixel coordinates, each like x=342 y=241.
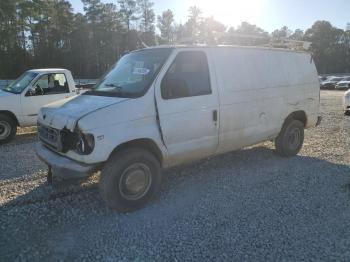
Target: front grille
x=49 y=136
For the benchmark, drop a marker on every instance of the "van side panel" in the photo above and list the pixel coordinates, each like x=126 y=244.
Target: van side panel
x=258 y=89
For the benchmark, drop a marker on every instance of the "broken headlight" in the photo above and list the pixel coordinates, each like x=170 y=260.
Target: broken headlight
x=85 y=144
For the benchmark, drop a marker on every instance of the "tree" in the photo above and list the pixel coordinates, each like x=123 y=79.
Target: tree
x=284 y=32
x=12 y=38
x=247 y=34
x=194 y=20
x=106 y=35
x=297 y=35
x=178 y=32
x=326 y=48
x=129 y=11
x=211 y=31
x=46 y=33
x=147 y=21
x=165 y=22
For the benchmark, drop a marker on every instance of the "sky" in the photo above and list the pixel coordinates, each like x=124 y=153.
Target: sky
x=267 y=14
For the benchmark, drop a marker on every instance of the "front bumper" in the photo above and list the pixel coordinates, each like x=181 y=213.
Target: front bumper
x=63 y=167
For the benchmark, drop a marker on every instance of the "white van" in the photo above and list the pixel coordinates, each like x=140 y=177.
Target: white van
x=163 y=106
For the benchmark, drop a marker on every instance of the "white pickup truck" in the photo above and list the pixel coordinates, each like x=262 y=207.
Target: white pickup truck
x=21 y=100
x=164 y=106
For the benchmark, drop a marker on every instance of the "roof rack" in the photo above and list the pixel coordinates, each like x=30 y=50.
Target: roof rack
x=283 y=42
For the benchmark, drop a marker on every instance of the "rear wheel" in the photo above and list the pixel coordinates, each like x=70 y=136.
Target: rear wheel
x=290 y=139
x=129 y=179
x=8 y=128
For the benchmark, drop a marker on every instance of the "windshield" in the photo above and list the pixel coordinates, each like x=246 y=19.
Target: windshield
x=132 y=75
x=20 y=83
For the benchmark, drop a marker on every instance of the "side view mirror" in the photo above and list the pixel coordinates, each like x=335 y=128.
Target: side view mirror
x=174 y=88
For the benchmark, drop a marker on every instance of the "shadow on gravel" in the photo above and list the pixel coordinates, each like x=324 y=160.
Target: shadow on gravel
x=23 y=138
x=251 y=166
x=244 y=199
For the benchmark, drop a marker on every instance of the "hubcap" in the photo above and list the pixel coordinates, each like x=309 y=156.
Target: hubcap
x=294 y=138
x=135 y=181
x=5 y=130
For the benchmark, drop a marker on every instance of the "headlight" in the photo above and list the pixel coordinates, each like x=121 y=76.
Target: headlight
x=85 y=144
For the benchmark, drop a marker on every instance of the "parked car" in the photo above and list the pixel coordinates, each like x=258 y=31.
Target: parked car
x=21 y=100
x=343 y=84
x=164 y=106
x=322 y=78
x=330 y=82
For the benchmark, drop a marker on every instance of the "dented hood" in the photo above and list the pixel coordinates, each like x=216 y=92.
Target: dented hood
x=67 y=112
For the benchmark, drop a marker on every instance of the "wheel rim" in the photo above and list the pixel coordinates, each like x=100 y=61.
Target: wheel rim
x=135 y=181
x=5 y=130
x=294 y=137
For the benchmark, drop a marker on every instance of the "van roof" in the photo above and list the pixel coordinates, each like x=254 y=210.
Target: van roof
x=225 y=46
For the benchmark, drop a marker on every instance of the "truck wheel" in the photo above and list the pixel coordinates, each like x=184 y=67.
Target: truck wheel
x=129 y=179
x=290 y=139
x=8 y=128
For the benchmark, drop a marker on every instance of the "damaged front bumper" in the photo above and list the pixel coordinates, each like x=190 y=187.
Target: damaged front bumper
x=63 y=167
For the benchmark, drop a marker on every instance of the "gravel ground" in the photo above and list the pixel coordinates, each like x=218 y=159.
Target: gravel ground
x=246 y=205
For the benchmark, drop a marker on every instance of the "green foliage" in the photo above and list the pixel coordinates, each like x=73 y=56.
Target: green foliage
x=194 y=21
x=46 y=33
x=147 y=18
x=330 y=47
x=246 y=34
x=165 y=26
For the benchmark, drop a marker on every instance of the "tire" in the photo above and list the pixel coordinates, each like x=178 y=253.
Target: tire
x=129 y=179
x=290 y=139
x=8 y=128
x=347 y=113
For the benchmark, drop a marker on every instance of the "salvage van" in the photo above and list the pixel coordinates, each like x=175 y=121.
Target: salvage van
x=164 y=106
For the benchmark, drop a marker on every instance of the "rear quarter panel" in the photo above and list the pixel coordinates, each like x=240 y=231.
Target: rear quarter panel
x=258 y=89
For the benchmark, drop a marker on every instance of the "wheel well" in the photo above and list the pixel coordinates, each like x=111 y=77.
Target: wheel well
x=10 y=114
x=297 y=115
x=144 y=143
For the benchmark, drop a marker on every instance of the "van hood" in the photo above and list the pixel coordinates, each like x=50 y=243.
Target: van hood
x=67 y=112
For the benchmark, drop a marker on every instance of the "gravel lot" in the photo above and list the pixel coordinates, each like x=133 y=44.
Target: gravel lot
x=246 y=205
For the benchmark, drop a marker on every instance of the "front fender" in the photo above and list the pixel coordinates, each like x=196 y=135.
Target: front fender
x=109 y=138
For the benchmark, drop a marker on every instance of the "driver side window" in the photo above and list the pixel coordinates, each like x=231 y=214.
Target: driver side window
x=50 y=84
x=188 y=76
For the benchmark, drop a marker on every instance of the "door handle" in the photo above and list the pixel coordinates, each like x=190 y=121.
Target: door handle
x=215 y=115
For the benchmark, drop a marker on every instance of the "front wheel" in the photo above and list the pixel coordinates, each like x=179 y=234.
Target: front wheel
x=8 y=128
x=290 y=139
x=129 y=179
